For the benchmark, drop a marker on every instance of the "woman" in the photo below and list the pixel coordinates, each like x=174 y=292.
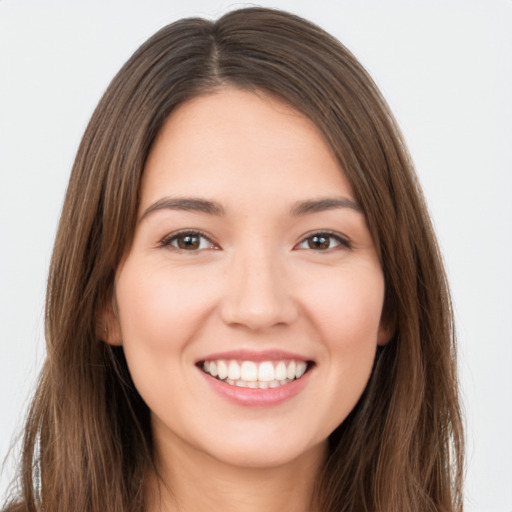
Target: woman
x=246 y=304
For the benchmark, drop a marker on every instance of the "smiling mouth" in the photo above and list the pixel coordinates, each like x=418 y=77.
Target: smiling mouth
x=257 y=375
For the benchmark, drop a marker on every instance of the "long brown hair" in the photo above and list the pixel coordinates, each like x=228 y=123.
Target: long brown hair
x=87 y=443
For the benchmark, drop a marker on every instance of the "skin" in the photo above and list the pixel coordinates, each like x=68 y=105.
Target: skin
x=255 y=283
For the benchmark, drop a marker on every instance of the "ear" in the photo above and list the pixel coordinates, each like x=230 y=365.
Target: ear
x=388 y=323
x=387 y=328
x=108 y=328
x=385 y=333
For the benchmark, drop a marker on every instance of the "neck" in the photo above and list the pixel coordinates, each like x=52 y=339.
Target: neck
x=199 y=482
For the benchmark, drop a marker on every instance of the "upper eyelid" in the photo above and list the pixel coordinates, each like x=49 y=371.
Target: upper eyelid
x=170 y=236
x=339 y=236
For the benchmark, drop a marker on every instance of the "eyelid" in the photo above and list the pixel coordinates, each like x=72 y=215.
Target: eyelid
x=167 y=240
x=342 y=240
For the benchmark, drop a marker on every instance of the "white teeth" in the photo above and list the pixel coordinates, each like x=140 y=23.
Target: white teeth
x=280 y=371
x=249 y=374
x=266 y=372
x=249 y=371
x=222 y=370
x=301 y=368
x=290 y=371
x=233 y=370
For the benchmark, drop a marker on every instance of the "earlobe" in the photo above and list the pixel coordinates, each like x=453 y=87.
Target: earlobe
x=386 y=332
x=108 y=328
x=388 y=323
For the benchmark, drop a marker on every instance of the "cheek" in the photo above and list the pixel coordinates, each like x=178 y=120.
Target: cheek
x=346 y=313
x=160 y=308
x=159 y=314
x=346 y=307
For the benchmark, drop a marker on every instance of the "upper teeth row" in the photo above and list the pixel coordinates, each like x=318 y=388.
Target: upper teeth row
x=250 y=371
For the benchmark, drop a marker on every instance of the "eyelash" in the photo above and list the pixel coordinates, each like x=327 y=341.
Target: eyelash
x=340 y=240
x=172 y=238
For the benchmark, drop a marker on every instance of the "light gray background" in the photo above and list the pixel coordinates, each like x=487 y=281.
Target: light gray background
x=445 y=66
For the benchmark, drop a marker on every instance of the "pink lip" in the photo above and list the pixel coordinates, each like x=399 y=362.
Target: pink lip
x=256 y=356
x=250 y=397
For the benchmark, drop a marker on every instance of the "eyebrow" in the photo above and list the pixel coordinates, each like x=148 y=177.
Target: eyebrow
x=321 y=205
x=189 y=204
x=193 y=204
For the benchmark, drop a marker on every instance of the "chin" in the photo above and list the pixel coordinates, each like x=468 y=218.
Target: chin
x=267 y=452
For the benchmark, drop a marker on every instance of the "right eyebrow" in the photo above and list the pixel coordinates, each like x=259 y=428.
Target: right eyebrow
x=189 y=204
x=323 y=204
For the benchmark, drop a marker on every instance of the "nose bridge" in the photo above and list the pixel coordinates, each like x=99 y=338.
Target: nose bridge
x=257 y=295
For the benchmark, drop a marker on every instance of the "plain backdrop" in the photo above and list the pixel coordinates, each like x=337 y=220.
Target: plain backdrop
x=445 y=67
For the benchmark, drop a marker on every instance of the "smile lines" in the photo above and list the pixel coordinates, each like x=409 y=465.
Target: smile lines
x=249 y=374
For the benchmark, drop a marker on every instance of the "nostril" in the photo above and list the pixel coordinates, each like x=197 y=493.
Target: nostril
x=259 y=314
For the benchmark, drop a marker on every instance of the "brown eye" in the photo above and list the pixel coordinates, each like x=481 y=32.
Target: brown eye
x=188 y=241
x=323 y=242
x=319 y=242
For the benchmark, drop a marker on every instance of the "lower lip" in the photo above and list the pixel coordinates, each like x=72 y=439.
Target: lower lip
x=255 y=397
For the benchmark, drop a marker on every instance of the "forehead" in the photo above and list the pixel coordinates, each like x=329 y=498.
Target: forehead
x=235 y=142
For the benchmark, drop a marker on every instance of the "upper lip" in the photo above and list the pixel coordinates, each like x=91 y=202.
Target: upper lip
x=254 y=355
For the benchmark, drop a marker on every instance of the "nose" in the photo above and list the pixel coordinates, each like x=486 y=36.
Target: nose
x=258 y=293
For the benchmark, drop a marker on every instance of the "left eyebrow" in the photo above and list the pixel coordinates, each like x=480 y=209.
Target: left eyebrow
x=321 y=205
x=190 y=204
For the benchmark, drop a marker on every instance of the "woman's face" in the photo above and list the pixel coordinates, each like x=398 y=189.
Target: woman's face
x=249 y=304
